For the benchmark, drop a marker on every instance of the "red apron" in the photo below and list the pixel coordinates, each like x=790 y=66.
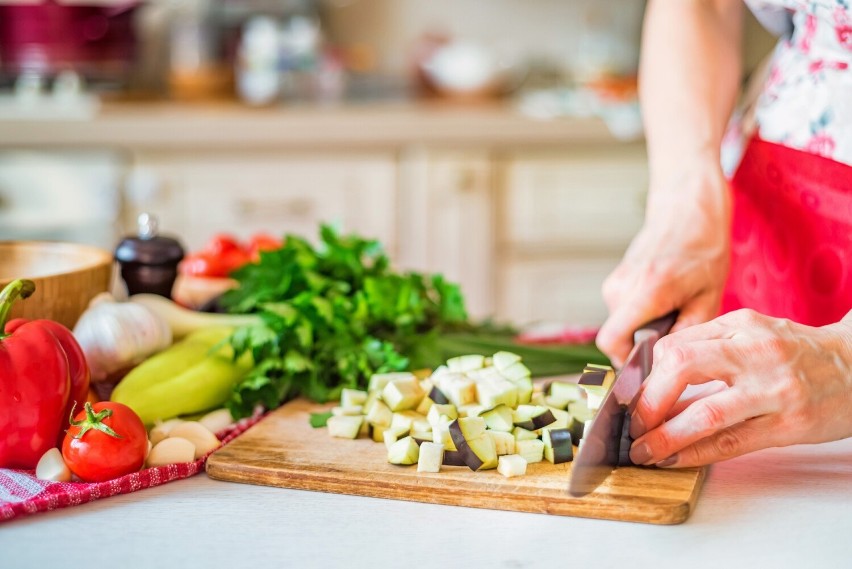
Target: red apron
x=791 y=252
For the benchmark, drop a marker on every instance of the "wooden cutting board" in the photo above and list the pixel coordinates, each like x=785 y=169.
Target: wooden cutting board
x=284 y=450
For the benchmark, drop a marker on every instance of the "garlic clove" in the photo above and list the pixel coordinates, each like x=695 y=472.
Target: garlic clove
x=51 y=466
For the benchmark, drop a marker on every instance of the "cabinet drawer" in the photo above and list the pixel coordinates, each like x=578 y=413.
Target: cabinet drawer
x=566 y=291
x=582 y=201
x=247 y=194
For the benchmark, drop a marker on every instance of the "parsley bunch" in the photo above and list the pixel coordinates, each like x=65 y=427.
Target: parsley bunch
x=332 y=316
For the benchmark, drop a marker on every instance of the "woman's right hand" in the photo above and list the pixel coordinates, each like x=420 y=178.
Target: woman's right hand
x=678 y=260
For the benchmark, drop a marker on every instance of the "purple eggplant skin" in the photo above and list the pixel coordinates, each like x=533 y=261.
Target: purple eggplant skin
x=592 y=378
x=543 y=420
x=470 y=458
x=437 y=396
x=625 y=443
x=563 y=447
x=454 y=458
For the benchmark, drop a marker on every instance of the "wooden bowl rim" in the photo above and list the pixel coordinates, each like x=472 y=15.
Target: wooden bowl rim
x=93 y=257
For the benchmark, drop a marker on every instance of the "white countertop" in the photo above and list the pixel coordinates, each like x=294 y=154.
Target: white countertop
x=787 y=507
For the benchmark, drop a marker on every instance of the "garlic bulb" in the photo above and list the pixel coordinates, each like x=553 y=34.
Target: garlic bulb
x=117 y=335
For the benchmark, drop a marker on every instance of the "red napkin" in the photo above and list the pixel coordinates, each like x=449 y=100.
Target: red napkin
x=21 y=493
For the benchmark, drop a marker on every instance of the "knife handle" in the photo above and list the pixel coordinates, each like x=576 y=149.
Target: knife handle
x=656 y=329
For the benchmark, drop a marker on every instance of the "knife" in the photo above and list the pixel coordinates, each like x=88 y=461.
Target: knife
x=606 y=444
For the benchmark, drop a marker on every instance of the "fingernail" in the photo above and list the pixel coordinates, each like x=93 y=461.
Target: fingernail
x=637 y=426
x=667 y=462
x=640 y=454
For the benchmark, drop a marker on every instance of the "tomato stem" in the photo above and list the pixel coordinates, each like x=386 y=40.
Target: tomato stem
x=92 y=421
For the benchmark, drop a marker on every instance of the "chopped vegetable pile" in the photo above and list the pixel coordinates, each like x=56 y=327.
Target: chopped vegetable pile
x=478 y=412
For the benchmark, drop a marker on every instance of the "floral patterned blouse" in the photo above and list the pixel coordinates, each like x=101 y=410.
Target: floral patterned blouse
x=806 y=100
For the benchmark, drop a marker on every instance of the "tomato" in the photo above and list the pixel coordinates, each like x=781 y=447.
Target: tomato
x=203 y=265
x=233 y=260
x=106 y=440
x=221 y=244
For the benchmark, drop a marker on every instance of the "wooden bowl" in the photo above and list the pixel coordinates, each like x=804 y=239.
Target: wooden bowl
x=67 y=276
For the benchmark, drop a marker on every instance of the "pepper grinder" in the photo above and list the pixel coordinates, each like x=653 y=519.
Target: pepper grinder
x=149 y=261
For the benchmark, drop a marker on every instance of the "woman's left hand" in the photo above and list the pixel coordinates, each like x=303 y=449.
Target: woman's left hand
x=782 y=383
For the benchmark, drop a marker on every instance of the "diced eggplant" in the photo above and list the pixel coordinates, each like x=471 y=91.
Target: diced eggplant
x=380 y=414
x=496 y=391
x=354 y=410
x=525 y=390
x=403 y=420
x=566 y=391
x=580 y=411
x=393 y=434
x=344 y=426
x=379 y=380
x=504 y=442
x=372 y=398
x=424 y=406
x=516 y=371
x=453 y=458
x=377 y=432
x=489 y=373
x=561 y=419
x=426 y=385
x=522 y=434
x=504 y=360
x=463 y=364
x=404 y=452
x=402 y=394
x=467 y=428
x=499 y=418
x=431 y=457
x=437 y=396
x=438 y=412
x=596 y=383
x=485 y=452
x=472 y=410
x=597 y=367
x=364 y=431
x=532 y=417
x=459 y=389
x=558 y=445
x=349 y=397
x=538 y=398
x=576 y=427
x=532 y=451
x=512 y=465
x=555 y=403
x=421 y=437
x=441 y=434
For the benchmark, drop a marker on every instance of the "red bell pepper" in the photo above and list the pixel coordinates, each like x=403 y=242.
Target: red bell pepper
x=43 y=373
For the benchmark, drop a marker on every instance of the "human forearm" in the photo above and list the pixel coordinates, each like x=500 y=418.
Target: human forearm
x=689 y=79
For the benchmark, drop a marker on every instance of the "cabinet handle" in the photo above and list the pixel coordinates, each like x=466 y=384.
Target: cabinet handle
x=263 y=209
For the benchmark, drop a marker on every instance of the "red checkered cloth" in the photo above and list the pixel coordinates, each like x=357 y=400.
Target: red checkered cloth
x=21 y=493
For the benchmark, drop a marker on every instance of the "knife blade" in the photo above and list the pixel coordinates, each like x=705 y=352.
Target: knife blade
x=602 y=444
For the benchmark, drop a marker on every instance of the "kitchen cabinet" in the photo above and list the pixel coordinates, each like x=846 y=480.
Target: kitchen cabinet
x=564 y=219
x=196 y=195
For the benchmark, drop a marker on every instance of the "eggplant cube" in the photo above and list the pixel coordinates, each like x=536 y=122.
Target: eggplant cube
x=512 y=465
x=463 y=364
x=494 y=391
x=431 y=457
x=596 y=384
x=379 y=380
x=353 y=410
x=504 y=442
x=499 y=418
x=344 y=426
x=516 y=371
x=459 y=389
x=350 y=397
x=525 y=390
x=504 y=360
x=532 y=451
x=441 y=435
x=438 y=412
x=380 y=414
x=404 y=452
x=558 y=446
x=402 y=394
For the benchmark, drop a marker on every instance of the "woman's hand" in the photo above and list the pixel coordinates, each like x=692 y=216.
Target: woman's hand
x=782 y=383
x=678 y=260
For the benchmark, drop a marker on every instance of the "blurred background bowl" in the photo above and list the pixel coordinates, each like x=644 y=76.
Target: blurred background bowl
x=67 y=276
